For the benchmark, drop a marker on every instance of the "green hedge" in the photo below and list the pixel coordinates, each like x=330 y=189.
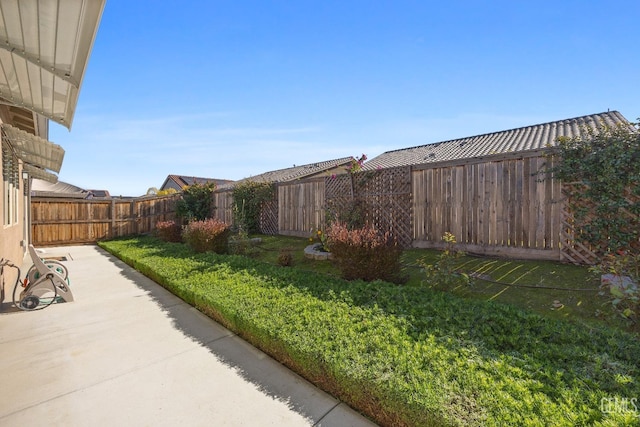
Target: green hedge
x=407 y=355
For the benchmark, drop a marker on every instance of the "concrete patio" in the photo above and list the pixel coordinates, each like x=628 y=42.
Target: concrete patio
x=127 y=352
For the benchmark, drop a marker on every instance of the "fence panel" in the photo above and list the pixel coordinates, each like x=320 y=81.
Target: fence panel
x=575 y=246
x=300 y=206
x=381 y=198
x=223 y=206
x=57 y=221
x=146 y=212
x=498 y=206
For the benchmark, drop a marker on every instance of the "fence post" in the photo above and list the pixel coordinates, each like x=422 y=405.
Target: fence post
x=132 y=216
x=112 y=214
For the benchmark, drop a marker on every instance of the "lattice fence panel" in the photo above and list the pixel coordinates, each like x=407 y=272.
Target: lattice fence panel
x=574 y=247
x=384 y=197
x=572 y=250
x=269 y=217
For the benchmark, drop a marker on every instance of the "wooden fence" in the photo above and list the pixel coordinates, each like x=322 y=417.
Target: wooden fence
x=498 y=205
x=381 y=198
x=301 y=207
x=502 y=205
x=56 y=221
x=223 y=205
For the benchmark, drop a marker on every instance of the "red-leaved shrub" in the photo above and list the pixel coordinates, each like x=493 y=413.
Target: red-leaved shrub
x=207 y=235
x=169 y=231
x=364 y=253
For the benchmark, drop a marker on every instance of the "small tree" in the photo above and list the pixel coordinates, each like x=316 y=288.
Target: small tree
x=196 y=203
x=167 y=192
x=248 y=199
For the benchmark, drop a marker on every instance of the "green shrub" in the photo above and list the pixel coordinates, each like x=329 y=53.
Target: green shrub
x=208 y=235
x=249 y=198
x=285 y=259
x=364 y=253
x=620 y=279
x=444 y=273
x=406 y=355
x=603 y=170
x=196 y=203
x=320 y=238
x=352 y=212
x=168 y=231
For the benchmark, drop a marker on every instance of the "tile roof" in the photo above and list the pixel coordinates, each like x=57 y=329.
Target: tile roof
x=513 y=140
x=295 y=172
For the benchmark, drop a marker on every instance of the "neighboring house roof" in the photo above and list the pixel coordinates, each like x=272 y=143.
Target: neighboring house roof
x=41 y=188
x=177 y=182
x=514 y=140
x=326 y=167
x=99 y=194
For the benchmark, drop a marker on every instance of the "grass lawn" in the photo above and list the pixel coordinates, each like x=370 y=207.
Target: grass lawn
x=413 y=355
x=521 y=283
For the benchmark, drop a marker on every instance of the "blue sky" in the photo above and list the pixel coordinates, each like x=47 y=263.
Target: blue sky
x=231 y=89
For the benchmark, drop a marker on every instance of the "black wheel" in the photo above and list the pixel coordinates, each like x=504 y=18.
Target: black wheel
x=37 y=297
x=30 y=302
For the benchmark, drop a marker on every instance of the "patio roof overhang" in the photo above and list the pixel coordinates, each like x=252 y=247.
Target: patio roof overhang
x=40 y=156
x=39 y=173
x=44 y=50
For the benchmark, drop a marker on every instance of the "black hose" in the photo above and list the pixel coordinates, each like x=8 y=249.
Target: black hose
x=18 y=284
x=55 y=293
x=513 y=285
x=534 y=286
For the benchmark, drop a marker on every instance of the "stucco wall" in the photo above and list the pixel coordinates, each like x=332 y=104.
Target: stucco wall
x=11 y=237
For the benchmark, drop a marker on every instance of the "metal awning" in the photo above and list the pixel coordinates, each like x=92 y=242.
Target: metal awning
x=44 y=50
x=33 y=150
x=36 y=172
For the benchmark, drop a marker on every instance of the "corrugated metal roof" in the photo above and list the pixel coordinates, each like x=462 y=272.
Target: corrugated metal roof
x=39 y=173
x=33 y=149
x=520 y=139
x=41 y=187
x=44 y=50
x=295 y=172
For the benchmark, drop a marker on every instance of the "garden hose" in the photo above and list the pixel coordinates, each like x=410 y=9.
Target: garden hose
x=32 y=298
x=475 y=276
